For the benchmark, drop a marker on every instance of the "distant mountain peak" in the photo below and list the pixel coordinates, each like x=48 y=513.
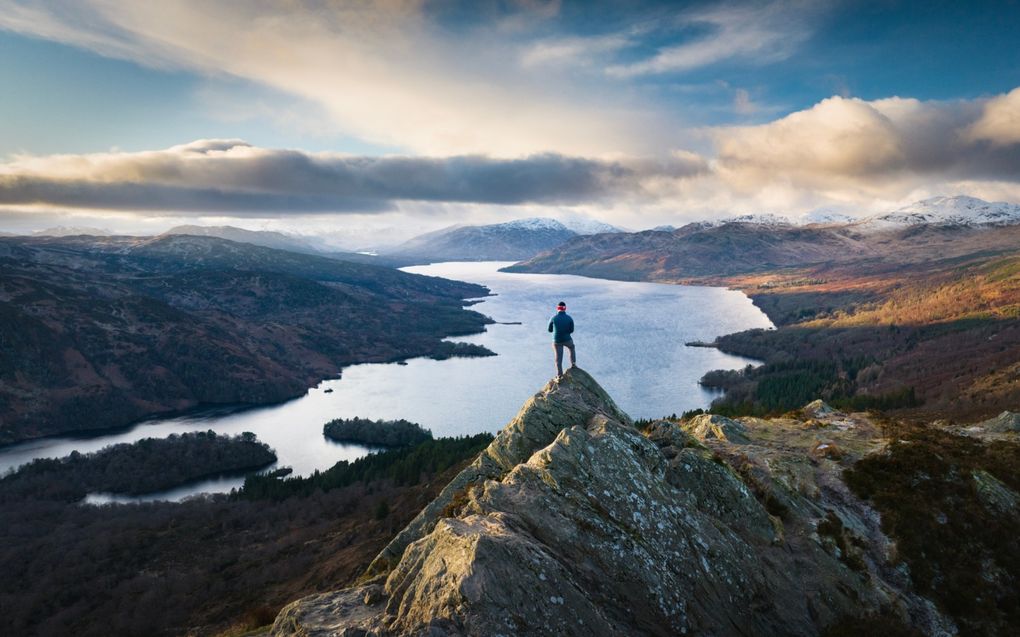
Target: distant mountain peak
x=959 y=210
x=72 y=231
x=826 y=216
x=531 y=223
x=508 y=241
x=578 y=225
x=585 y=226
x=761 y=218
x=265 y=238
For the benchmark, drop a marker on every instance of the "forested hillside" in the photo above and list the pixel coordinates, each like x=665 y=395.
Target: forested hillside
x=98 y=332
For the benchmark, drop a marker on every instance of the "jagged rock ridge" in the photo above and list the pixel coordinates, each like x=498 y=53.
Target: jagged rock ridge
x=575 y=523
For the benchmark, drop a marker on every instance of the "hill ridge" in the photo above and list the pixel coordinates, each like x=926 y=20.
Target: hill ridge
x=574 y=522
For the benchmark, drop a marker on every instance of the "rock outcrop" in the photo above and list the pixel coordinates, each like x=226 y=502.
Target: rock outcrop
x=574 y=522
x=707 y=426
x=1006 y=422
x=564 y=402
x=1004 y=427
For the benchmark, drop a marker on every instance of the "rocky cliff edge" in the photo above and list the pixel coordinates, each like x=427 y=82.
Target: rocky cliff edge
x=574 y=522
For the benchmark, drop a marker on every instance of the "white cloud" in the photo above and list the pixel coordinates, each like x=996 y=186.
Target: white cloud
x=571 y=50
x=382 y=71
x=759 y=33
x=742 y=103
x=867 y=148
x=842 y=153
x=1000 y=122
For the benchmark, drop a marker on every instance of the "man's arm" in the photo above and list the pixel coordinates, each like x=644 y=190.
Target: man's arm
x=551 y=323
x=570 y=326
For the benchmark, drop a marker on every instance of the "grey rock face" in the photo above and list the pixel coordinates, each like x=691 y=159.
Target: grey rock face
x=996 y=495
x=575 y=523
x=818 y=409
x=563 y=402
x=707 y=426
x=1006 y=422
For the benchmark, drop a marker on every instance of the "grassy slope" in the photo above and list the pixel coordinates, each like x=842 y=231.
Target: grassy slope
x=948 y=330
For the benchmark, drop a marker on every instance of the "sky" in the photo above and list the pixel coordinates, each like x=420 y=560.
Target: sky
x=387 y=118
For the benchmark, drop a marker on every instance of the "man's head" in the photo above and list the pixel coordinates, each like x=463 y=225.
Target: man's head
x=561 y=306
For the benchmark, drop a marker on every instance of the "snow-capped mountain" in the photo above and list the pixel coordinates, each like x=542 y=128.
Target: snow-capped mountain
x=585 y=226
x=578 y=225
x=948 y=211
x=941 y=211
x=762 y=219
x=531 y=223
x=824 y=216
x=72 y=231
x=510 y=241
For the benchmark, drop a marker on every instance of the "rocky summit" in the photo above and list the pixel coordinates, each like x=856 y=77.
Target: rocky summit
x=576 y=522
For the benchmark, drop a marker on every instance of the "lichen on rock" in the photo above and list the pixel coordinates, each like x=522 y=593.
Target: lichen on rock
x=573 y=522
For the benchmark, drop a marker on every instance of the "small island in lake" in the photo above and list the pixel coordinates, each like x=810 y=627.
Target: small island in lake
x=147 y=466
x=383 y=433
x=447 y=349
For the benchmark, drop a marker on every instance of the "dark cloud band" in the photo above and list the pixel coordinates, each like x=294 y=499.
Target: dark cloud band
x=209 y=176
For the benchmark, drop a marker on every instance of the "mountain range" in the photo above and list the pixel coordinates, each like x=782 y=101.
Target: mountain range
x=752 y=243
x=945 y=211
x=265 y=238
x=948 y=211
x=72 y=231
x=510 y=241
x=918 y=314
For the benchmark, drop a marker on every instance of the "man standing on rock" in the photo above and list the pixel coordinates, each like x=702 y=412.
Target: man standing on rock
x=562 y=326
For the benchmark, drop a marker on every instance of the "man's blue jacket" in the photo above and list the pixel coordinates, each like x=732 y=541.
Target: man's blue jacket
x=562 y=326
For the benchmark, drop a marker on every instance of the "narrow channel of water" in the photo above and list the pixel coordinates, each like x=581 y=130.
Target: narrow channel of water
x=630 y=337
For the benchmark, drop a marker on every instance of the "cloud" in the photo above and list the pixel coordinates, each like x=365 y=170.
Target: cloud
x=564 y=51
x=758 y=33
x=1000 y=122
x=871 y=148
x=389 y=72
x=231 y=176
x=843 y=152
x=742 y=103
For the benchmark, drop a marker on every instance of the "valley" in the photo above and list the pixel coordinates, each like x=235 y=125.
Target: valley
x=98 y=332
x=919 y=318
x=285 y=289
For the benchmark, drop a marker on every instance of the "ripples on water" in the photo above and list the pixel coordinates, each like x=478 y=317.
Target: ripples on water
x=630 y=337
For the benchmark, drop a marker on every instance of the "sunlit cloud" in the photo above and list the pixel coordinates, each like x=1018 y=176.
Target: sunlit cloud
x=485 y=118
x=841 y=151
x=872 y=148
x=383 y=71
x=1000 y=122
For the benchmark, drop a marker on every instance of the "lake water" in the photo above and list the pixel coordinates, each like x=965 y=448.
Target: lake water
x=629 y=336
